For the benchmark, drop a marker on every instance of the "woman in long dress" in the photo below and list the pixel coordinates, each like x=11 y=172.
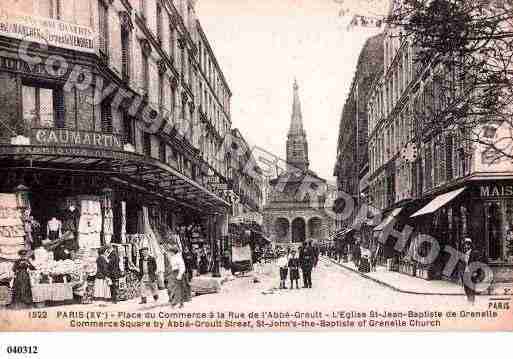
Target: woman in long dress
x=102 y=280
x=22 y=289
x=175 y=271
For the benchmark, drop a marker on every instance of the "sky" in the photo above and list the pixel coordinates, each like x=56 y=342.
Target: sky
x=262 y=45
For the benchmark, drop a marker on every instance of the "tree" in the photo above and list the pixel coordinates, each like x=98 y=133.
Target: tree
x=468 y=44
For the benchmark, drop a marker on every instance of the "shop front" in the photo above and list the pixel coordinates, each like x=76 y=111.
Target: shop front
x=69 y=202
x=480 y=210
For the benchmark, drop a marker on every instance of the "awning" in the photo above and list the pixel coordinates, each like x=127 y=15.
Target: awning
x=343 y=232
x=135 y=169
x=438 y=202
x=388 y=220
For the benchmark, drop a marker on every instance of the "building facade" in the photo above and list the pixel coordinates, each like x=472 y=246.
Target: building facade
x=352 y=164
x=246 y=181
x=441 y=184
x=295 y=208
x=116 y=104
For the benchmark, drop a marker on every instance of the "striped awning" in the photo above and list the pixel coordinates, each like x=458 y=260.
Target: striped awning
x=388 y=219
x=438 y=202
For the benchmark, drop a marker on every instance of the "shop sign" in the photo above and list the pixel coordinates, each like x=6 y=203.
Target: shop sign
x=220 y=187
x=68 y=152
x=73 y=138
x=17 y=65
x=254 y=217
x=213 y=180
x=496 y=191
x=47 y=31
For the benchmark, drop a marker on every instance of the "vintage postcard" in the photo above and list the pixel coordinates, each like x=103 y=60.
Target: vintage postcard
x=256 y=165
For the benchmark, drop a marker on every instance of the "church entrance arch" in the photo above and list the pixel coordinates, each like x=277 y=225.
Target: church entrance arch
x=298 y=230
x=315 y=227
x=281 y=228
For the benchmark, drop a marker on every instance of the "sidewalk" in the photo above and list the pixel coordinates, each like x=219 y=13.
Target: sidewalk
x=404 y=283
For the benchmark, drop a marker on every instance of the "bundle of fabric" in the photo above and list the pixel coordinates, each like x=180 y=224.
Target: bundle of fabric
x=201 y=285
x=5 y=295
x=6 y=272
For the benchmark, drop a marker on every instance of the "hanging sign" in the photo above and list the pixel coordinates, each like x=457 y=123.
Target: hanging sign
x=47 y=31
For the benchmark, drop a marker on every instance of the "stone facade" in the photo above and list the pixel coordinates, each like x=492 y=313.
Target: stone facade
x=296 y=209
x=352 y=155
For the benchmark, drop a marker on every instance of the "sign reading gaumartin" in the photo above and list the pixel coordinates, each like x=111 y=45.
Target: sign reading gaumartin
x=46 y=31
x=66 y=137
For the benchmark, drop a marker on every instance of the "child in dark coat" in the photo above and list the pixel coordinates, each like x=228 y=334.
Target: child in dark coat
x=294 y=269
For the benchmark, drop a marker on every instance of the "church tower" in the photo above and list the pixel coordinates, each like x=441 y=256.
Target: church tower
x=297 y=145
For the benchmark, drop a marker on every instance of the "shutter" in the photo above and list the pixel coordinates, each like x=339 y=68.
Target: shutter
x=106 y=117
x=58 y=100
x=162 y=151
x=429 y=167
x=125 y=54
x=449 y=156
x=147 y=144
x=443 y=160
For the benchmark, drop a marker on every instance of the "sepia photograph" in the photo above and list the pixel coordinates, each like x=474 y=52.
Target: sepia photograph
x=255 y=165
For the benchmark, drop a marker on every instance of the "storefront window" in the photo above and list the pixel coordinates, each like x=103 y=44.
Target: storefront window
x=494 y=231
x=147 y=144
x=128 y=128
x=38 y=106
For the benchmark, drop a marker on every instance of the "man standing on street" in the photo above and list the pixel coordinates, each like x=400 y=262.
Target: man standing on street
x=114 y=272
x=307 y=260
x=356 y=253
x=470 y=280
x=148 y=276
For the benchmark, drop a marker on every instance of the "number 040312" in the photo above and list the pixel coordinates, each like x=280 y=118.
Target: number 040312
x=22 y=349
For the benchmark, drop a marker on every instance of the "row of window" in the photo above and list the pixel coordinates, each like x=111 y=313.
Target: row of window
x=387 y=93
x=441 y=160
x=214 y=78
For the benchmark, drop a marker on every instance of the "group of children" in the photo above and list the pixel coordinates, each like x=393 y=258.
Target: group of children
x=289 y=265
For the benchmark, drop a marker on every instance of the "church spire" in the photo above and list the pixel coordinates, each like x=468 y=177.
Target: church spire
x=296 y=123
x=297 y=145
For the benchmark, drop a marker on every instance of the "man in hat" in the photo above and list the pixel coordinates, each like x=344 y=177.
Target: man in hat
x=470 y=280
x=307 y=259
x=114 y=271
x=148 y=276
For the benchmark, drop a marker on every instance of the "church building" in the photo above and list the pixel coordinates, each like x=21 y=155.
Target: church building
x=297 y=209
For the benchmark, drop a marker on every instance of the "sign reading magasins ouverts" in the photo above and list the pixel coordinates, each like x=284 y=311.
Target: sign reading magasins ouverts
x=47 y=31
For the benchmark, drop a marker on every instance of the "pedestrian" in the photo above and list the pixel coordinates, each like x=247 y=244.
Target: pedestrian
x=356 y=253
x=175 y=270
x=293 y=266
x=468 y=279
x=307 y=259
x=364 y=265
x=190 y=263
x=22 y=289
x=203 y=261
x=102 y=291
x=148 y=276
x=115 y=272
x=283 y=265
x=315 y=249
